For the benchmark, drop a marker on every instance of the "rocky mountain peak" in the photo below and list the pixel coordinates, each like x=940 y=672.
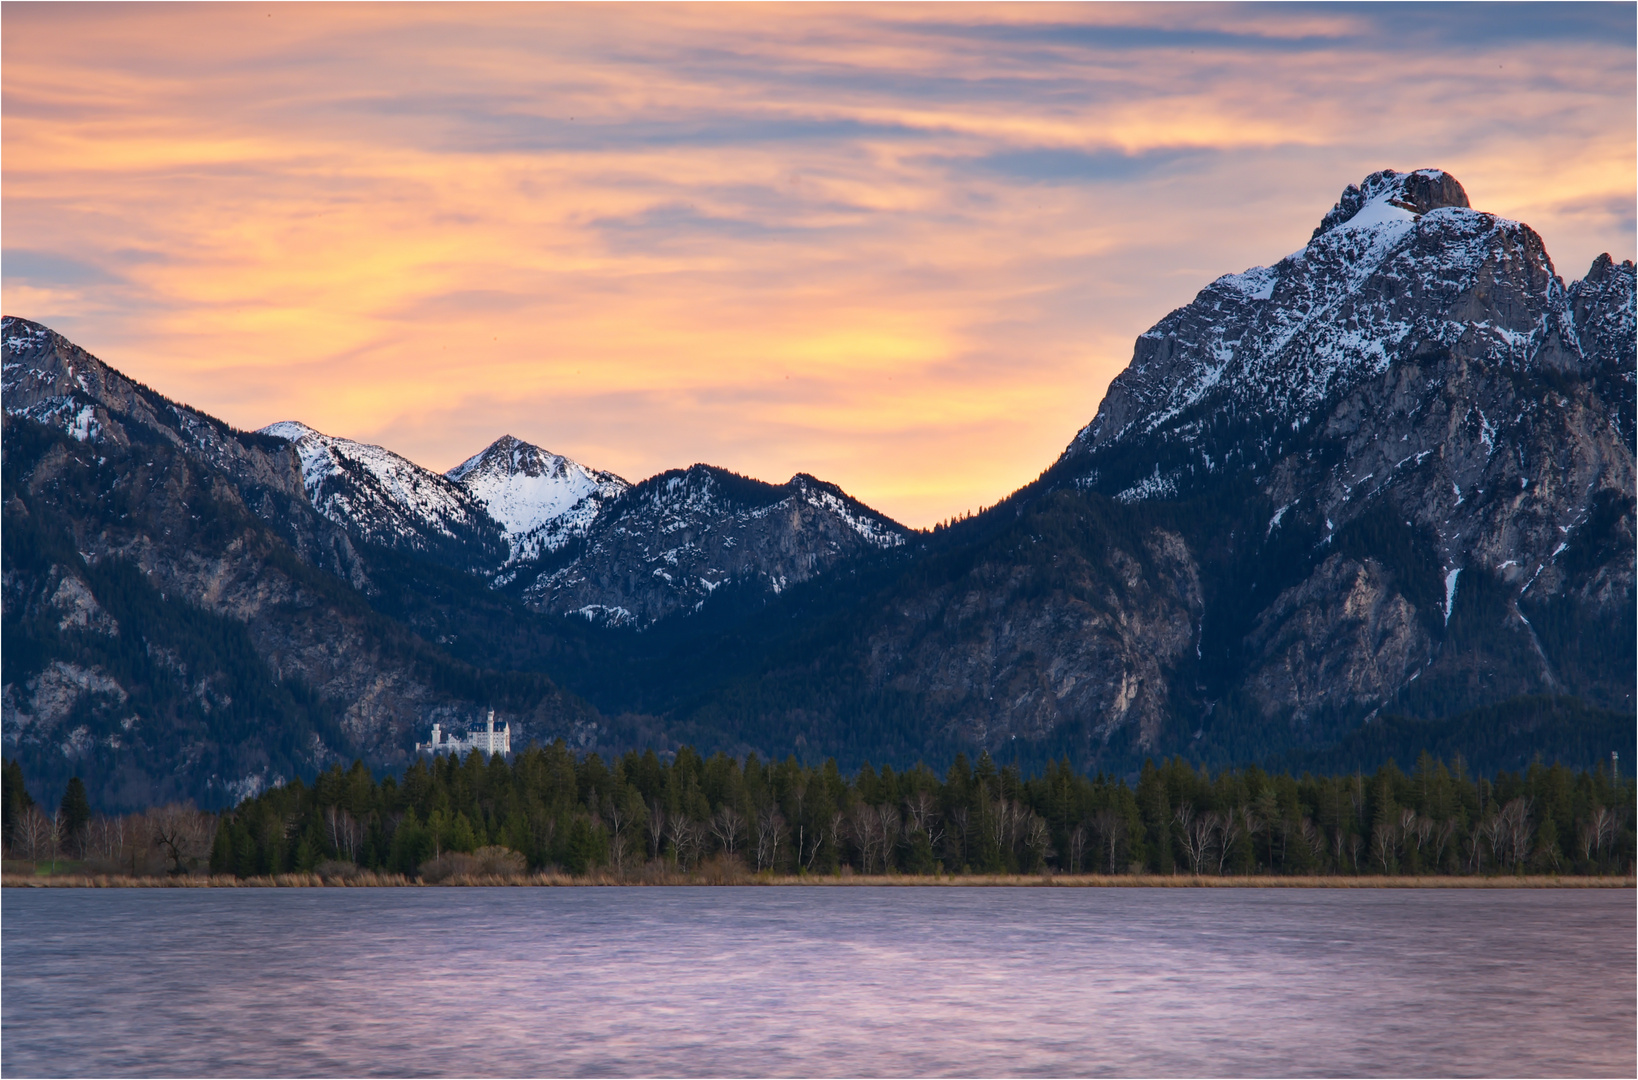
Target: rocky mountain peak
x=1417 y=369
x=1400 y=267
x=508 y=456
x=1413 y=192
x=542 y=499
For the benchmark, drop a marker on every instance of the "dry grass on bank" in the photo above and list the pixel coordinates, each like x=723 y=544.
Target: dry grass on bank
x=722 y=876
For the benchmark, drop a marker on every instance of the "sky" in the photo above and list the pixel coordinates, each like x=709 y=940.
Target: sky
x=903 y=248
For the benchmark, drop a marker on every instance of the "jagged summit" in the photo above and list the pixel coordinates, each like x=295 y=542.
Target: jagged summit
x=541 y=498
x=1401 y=266
x=1410 y=193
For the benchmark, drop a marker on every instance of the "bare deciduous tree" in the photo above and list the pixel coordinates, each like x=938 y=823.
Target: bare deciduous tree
x=1312 y=841
x=619 y=817
x=1228 y=831
x=888 y=827
x=1110 y=825
x=770 y=830
x=865 y=829
x=1037 y=840
x=1605 y=825
x=687 y=838
x=32 y=833
x=183 y=834
x=1384 y=842
x=835 y=828
x=346 y=833
x=1442 y=835
x=1513 y=831
x=1197 y=832
x=656 y=829
x=1077 y=848
x=105 y=838
x=728 y=826
x=808 y=843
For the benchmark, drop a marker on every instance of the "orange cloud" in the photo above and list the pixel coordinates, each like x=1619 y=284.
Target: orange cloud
x=901 y=247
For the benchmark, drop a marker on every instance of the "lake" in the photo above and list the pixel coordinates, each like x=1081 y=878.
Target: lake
x=817 y=981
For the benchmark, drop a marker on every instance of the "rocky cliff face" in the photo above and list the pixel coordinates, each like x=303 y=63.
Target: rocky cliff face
x=665 y=546
x=52 y=381
x=1420 y=370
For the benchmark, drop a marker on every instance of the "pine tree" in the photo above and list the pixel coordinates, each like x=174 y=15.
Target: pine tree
x=14 y=797
x=76 y=813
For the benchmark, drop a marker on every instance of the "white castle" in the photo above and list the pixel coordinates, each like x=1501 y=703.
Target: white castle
x=488 y=740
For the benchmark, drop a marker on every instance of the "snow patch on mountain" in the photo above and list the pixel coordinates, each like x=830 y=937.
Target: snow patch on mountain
x=542 y=499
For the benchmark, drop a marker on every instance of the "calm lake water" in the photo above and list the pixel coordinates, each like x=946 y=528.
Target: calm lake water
x=817 y=981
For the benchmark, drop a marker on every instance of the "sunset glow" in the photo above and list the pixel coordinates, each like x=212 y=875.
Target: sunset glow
x=902 y=248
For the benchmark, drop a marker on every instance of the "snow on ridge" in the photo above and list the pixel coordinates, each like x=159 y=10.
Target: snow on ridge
x=1254 y=284
x=1381 y=210
x=328 y=465
x=289 y=430
x=873 y=530
x=1329 y=329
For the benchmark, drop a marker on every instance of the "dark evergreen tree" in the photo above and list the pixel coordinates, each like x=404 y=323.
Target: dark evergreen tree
x=14 y=797
x=75 y=811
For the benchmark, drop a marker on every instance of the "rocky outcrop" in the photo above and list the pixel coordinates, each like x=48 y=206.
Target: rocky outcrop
x=1345 y=635
x=52 y=381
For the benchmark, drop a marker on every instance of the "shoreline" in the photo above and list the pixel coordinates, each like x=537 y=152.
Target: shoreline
x=1064 y=881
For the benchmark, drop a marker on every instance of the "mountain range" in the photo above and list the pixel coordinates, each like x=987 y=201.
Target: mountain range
x=1387 y=480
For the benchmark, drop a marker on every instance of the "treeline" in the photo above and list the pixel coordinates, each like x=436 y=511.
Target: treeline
x=548 y=810
x=556 y=811
x=171 y=839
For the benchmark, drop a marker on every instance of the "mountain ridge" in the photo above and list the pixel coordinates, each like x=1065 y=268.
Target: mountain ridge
x=1391 y=474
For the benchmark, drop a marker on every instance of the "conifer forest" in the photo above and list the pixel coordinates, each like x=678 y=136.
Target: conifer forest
x=546 y=809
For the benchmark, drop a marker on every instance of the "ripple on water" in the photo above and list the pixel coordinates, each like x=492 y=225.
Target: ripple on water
x=843 y=981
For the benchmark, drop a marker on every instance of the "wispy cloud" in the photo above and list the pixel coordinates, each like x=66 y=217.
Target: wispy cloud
x=903 y=247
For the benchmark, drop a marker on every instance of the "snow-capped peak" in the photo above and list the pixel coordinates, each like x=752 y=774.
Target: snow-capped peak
x=290 y=431
x=1374 y=281
x=539 y=497
x=1389 y=196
